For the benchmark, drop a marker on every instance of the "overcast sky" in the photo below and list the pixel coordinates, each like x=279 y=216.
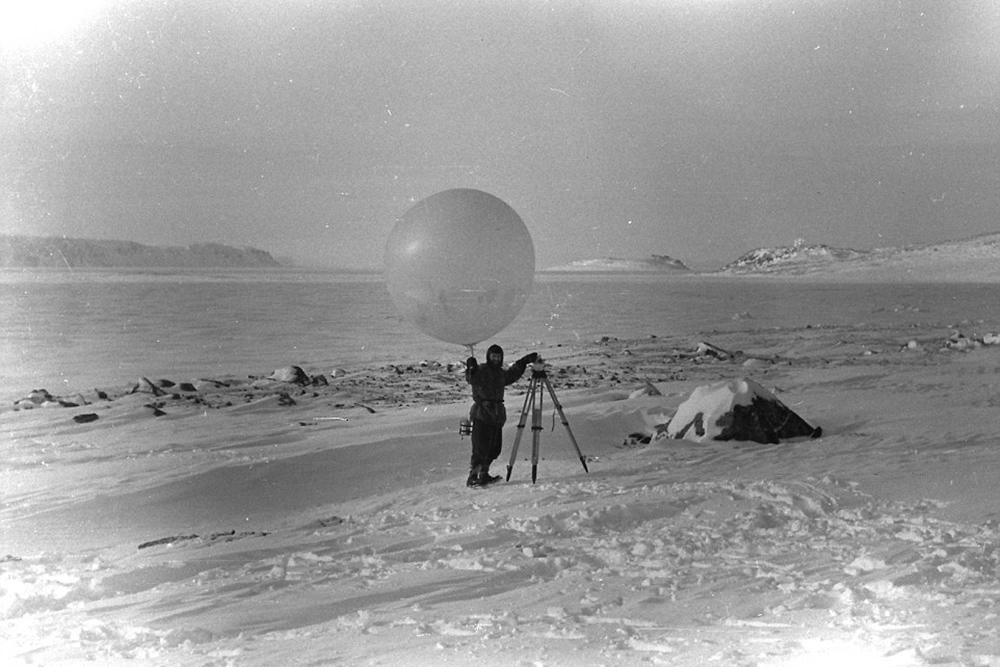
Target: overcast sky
x=699 y=129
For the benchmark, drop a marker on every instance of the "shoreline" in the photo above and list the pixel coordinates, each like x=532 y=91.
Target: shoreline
x=623 y=362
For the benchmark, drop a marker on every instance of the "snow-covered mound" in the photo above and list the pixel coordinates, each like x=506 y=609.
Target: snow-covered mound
x=976 y=259
x=737 y=409
x=654 y=263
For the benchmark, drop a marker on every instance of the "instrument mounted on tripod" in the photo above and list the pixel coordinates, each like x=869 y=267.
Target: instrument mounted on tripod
x=533 y=404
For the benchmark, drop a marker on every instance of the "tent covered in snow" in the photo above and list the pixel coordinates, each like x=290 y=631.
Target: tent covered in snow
x=737 y=409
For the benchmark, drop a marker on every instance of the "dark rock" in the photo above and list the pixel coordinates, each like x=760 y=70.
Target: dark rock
x=144 y=386
x=636 y=440
x=292 y=374
x=167 y=540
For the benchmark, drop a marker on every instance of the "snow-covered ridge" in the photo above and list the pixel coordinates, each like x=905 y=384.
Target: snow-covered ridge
x=614 y=264
x=60 y=252
x=766 y=258
x=974 y=259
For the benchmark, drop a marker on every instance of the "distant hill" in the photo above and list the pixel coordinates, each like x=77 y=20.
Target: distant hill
x=655 y=263
x=59 y=252
x=795 y=257
x=976 y=259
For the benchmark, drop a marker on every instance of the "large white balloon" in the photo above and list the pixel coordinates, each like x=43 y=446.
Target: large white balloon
x=459 y=265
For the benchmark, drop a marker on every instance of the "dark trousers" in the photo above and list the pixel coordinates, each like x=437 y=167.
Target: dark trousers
x=487 y=439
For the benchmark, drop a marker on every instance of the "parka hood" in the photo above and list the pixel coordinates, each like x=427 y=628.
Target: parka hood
x=494 y=349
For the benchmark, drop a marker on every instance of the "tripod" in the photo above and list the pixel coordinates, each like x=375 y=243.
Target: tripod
x=534 y=398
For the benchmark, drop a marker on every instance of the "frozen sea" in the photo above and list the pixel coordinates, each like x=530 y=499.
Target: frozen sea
x=69 y=332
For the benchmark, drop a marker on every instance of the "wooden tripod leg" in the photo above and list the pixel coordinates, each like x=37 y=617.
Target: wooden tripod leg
x=536 y=432
x=565 y=422
x=529 y=398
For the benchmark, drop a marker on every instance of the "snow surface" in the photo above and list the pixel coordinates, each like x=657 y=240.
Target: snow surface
x=261 y=522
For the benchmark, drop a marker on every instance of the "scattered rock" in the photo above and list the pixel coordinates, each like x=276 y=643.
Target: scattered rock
x=76 y=399
x=167 y=541
x=330 y=521
x=85 y=418
x=709 y=350
x=961 y=342
x=224 y=536
x=207 y=384
x=649 y=389
x=40 y=398
x=144 y=386
x=232 y=535
x=637 y=440
x=157 y=412
x=292 y=374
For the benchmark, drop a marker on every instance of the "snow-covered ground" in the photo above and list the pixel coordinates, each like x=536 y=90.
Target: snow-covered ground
x=262 y=522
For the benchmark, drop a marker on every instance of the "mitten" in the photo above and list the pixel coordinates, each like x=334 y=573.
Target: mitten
x=528 y=359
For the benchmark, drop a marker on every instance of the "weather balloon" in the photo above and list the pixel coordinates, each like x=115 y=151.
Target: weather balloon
x=459 y=265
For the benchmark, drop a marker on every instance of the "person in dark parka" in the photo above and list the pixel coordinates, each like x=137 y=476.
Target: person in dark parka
x=488 y=413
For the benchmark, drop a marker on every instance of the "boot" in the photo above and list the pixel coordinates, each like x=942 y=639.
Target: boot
x=486 y=478
x=473 y=477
